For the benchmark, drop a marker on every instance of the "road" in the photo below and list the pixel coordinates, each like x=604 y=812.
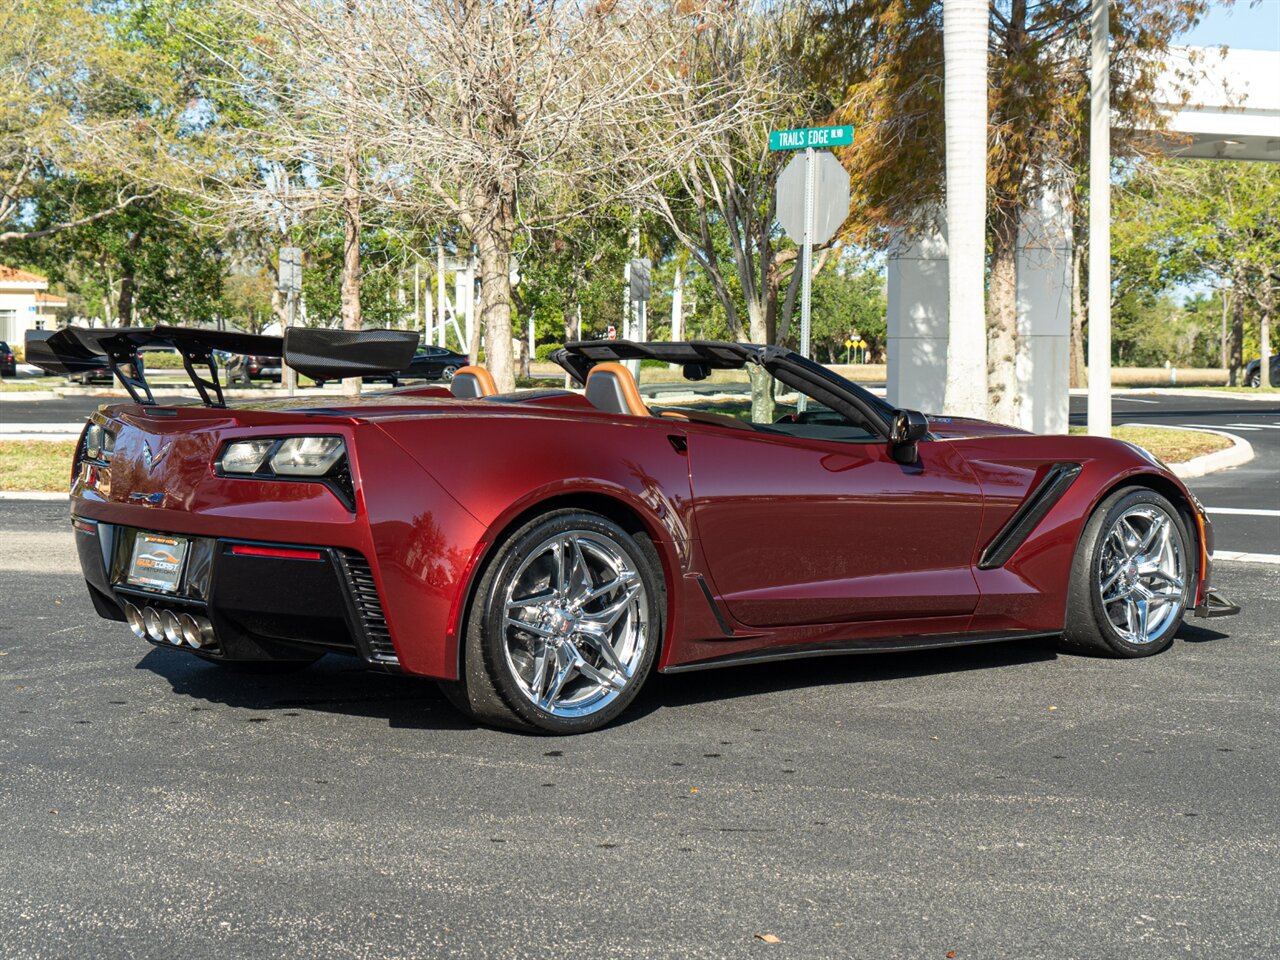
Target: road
x=1000 y=801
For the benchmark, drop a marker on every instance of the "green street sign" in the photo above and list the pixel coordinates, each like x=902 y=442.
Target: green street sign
x=817 y=137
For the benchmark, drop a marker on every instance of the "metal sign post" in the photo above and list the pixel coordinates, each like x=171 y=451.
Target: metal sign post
x=639 y=272
x=806 y=254
x=812 y=201
x=289 y=282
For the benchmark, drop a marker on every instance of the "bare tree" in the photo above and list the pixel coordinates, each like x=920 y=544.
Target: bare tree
x=743 y=83
x=496 y=115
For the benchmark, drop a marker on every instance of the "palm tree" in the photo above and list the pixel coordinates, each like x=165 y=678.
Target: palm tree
x=964 y=24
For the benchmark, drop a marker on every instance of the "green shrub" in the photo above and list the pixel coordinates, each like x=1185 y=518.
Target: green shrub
x=161 y=360
x=544 y=350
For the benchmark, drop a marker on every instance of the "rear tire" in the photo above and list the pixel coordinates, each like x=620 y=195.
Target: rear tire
x=1132 y=578
x=564 y=627
x=1255 y=379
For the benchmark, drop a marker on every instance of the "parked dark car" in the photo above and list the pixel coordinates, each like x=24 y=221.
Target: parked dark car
x=1253 y=371
x=8 y=362
x=429 y=363
x=243 y=370
x=100 y=374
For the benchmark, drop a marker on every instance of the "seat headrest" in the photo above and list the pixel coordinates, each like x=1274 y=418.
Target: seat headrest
x=470 y=383
x=611 y=388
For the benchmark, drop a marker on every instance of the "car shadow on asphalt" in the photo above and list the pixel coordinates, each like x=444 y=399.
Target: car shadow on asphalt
x=749 y=680
x=341 y=685
x=1189 y=633
x=334 y=684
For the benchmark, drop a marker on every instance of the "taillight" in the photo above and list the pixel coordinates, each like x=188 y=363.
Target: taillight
x=313 y=457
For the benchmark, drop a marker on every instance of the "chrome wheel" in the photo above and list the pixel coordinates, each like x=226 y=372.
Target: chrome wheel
x=1141 y=574
x=574 y=626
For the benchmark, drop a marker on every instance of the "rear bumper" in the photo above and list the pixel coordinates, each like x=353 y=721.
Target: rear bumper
x=290 y=606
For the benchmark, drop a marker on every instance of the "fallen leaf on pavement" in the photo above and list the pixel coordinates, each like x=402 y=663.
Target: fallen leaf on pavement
x=768 y=938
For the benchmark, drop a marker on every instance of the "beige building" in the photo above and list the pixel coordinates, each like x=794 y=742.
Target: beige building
x=25 y=304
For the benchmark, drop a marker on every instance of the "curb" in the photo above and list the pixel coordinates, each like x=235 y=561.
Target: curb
x=1239 y=452
x=17 y=396
x=33 y=495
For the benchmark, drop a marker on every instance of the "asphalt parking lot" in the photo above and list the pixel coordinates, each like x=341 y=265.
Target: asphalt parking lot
x=996 y=802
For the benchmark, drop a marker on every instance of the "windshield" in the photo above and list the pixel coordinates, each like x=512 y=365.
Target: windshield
x=726 y=398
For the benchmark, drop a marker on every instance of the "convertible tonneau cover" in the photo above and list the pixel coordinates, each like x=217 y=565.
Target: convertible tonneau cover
x=320 y=354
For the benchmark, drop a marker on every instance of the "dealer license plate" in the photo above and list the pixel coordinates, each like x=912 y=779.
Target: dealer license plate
x=157 y=560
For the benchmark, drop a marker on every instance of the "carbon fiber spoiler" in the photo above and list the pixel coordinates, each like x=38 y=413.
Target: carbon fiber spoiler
x=320 y=354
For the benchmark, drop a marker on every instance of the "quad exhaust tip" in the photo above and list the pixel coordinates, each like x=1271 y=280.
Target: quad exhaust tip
x=197 y=631
x=134 y=616
x=172 y=630
x=151 y=620
x=175 y=628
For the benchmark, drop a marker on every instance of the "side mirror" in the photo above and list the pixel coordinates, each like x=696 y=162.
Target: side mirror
x=907 y=429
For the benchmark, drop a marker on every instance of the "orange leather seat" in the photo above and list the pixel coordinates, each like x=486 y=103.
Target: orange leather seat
x=611 y=387
x=470 y=383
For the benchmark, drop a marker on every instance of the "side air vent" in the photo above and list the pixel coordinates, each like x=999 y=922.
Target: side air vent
x=364 y=595
x=1030 y=512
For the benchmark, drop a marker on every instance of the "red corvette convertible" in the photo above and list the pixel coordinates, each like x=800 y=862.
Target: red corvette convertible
x=583 y=539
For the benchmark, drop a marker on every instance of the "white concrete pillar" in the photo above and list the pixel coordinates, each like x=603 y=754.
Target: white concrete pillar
x=916 y=348
x=1044 y=313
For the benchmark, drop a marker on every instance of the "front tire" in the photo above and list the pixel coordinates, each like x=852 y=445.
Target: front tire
x=1255 y=379
x=1133 y=577
x=564 y=628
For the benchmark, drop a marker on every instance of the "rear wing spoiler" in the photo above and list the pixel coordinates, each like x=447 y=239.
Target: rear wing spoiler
x=320 y=354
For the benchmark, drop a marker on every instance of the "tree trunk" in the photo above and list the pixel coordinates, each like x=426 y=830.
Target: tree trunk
x=762 y=402
x=1079 y=376
x=351 y=319
x=124 y=309
x=1002 y=319
x=128 y=281
x=1223 y=361
x=965 y=38
x=493 y=241
x=677 y=305
x=1268 y=304
x=1237 y=326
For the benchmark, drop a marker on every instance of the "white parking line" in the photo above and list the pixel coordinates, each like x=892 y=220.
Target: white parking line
x=1216 y=426
x=1133 y=400
x=1257 y=426
x=1244 y=511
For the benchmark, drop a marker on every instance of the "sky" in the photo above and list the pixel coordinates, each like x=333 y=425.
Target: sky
x=1248 y=25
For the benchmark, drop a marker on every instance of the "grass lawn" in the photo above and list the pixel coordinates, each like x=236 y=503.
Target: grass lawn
x=36 y=464
x=26 y=386
x=1171 y=446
